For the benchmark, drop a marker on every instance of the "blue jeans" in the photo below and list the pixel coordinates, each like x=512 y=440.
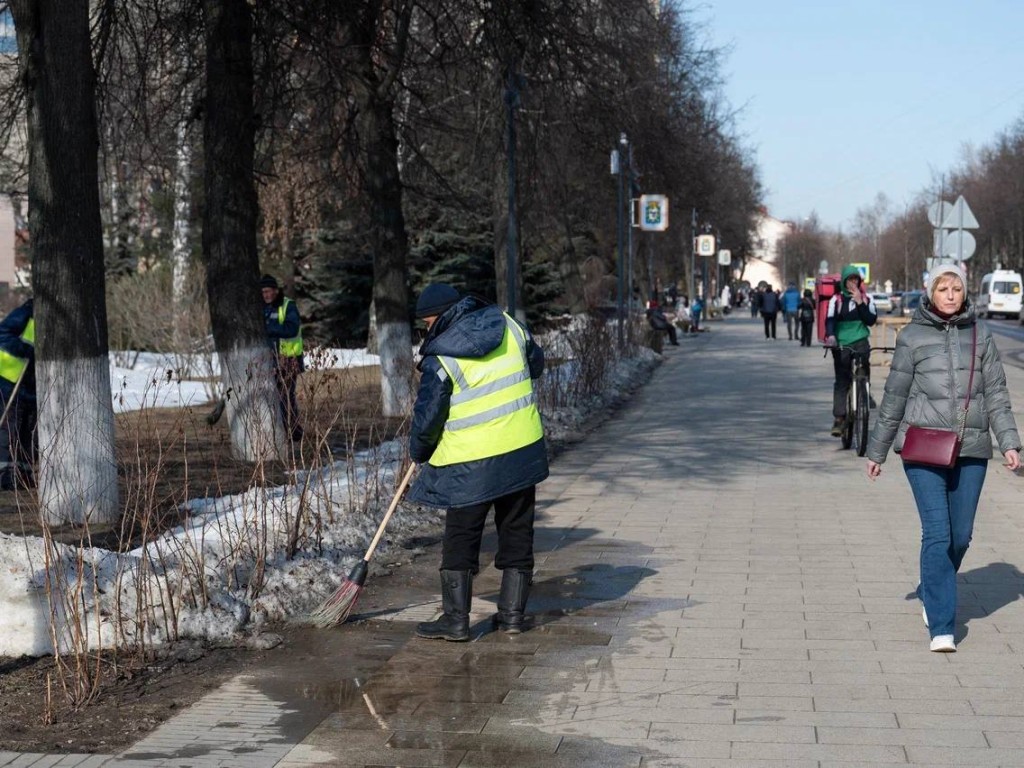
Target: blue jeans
x=946 y=502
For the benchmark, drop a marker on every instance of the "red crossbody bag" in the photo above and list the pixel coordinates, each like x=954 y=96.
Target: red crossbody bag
x=940 y=447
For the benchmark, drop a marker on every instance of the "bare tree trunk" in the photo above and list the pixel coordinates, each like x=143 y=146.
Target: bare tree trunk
x=229 y=234
x=382 y=185
x=182 y=212
x=180 y=236
x=77 y=468
x=390 y=246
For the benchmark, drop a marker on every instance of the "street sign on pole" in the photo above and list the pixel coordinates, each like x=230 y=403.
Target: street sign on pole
x=960 y=216
x=958 y=244
x=653 y=213
x=724 y=258
x=705 y=245
x=937 y=212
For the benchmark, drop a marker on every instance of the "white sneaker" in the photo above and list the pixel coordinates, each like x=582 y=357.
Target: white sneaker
x=943 y=644
x=924 y=615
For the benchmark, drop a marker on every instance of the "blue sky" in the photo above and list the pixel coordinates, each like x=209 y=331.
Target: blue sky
x=841 y=101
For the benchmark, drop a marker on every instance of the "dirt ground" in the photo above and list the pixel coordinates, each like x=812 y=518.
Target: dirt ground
x=165 y=457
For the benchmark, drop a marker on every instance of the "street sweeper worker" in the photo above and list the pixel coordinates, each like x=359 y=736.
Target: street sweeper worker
x=477 y=434
x=18 y=397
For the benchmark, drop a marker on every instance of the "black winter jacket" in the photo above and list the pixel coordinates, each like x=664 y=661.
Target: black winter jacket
x=770 y=304
x=471 y=328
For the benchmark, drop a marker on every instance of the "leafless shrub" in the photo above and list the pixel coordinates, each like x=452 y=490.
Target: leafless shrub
x=143 y=318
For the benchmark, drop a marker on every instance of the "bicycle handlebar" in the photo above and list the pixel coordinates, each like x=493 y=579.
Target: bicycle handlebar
x=857 y=353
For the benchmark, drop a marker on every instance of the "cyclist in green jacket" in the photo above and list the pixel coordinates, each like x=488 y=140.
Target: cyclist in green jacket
x=850 y=315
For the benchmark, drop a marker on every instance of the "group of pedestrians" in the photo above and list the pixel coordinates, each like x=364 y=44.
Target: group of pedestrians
x=797 y=310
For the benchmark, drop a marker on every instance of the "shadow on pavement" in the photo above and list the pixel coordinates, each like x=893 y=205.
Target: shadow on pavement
x=984 y=591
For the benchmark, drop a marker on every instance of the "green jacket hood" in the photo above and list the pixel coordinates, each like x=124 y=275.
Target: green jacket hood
x=848 y=271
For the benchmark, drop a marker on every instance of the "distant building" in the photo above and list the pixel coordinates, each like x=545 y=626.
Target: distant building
x=764 y=263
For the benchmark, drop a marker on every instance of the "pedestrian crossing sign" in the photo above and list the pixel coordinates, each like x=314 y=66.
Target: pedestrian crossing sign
x=865 y=270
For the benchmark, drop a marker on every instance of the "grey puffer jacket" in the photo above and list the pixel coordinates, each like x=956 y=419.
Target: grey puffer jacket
x=927 y=386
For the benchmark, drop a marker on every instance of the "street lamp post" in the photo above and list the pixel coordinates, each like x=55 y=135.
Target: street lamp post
x=617 y=162
x=692 y=287
x=629 y=222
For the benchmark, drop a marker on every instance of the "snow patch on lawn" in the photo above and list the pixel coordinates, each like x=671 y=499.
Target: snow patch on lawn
x=204 y=579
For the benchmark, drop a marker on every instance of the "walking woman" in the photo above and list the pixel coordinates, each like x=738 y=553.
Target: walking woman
x=944 y=360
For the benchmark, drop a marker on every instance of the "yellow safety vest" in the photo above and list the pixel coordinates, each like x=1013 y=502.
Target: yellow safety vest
x=11 y=367
x=288 y=347
x=493 y=405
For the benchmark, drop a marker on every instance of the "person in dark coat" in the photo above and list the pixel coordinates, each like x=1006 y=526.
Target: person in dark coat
x=657 y=320
x=769 y=307
x=18 y=391
x=477 y=435
x=806 y=315
x=284 y=334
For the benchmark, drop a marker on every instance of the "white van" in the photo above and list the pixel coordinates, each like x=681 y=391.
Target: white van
x=1000 y=294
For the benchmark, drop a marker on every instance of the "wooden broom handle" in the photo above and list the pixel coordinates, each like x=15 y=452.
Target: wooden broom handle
x=391 y=510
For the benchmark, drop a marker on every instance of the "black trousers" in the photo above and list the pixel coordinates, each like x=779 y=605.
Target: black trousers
x=806 y=329
x=287 y=379
x=464 y=528
x=769 y=324
x=18 y=449
x=842 y=361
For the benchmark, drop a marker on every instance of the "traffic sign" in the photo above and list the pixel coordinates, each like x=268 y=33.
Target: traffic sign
x=960 y=216
x=653 y=213
x=959 y=244
x=705 y=245
x=865 y=270
x=937 y=212
x=724 y=258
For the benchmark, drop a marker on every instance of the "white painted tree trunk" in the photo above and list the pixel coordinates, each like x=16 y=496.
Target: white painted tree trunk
x=394 y=341
x=253 y=406
x=78 y=478
x=182 y=212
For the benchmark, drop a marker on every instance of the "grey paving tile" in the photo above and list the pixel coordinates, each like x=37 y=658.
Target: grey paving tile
x=917 y=755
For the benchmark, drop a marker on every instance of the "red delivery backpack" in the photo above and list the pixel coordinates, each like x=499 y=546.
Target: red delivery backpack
x=825 y=287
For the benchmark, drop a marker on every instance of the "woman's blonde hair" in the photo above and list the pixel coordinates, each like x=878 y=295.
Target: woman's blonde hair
x=945 y=279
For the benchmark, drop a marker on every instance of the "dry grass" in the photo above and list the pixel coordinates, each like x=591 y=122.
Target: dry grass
x=167 y=456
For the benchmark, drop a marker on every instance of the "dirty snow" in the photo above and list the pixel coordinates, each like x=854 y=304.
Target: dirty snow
x=199 y=580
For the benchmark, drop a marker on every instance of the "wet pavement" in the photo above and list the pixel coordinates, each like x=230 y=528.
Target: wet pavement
x=717 y=584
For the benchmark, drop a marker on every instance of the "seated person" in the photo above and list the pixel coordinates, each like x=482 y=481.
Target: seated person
x=659 y=322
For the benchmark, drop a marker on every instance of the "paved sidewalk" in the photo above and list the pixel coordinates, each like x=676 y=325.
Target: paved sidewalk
x=717 y=584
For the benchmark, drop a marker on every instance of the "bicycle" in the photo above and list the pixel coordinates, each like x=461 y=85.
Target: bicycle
x=858 y=399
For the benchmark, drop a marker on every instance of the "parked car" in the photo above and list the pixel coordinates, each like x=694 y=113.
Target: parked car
x=882 y=303
x=910 y=301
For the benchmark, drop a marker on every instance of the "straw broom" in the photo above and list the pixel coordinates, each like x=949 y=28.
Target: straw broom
x=335 y=609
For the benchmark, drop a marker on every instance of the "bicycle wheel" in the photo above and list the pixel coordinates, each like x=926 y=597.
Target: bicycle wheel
x=860 y=418
x=847 y=433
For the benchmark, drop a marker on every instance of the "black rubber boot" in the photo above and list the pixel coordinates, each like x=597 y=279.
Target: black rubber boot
x=515 y=590
x=456 y=595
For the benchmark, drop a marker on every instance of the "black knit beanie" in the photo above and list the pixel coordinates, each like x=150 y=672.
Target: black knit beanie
x=435 y=299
